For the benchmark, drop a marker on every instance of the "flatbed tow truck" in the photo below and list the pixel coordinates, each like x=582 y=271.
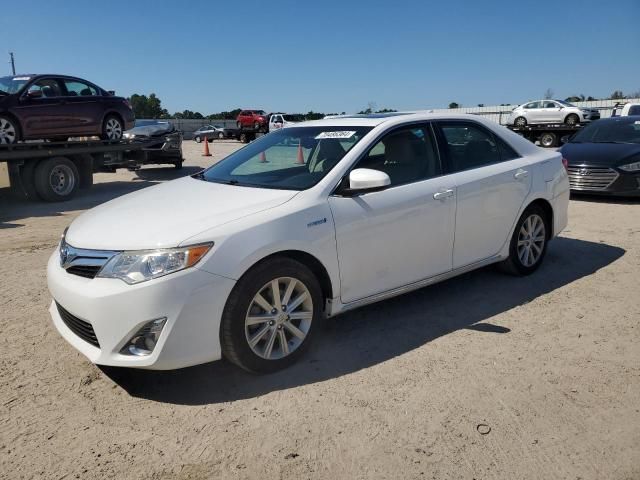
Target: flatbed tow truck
x=54 y=171
x=548 y=134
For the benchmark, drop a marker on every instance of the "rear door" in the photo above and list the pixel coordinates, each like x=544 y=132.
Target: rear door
x=42 y=110
x=83 y=101
x=551 y=112
x=491 y=181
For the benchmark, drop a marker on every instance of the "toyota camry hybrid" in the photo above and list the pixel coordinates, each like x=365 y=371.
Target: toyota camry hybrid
x=301 y=224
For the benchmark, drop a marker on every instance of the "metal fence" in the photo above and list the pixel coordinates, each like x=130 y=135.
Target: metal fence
x=496 y=113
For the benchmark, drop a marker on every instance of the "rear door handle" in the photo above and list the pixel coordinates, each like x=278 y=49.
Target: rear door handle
x=443 y=194
x=521 y=174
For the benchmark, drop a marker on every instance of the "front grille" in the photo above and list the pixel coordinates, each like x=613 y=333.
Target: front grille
x=591 y=178
x=81 y=328
x=86 y=271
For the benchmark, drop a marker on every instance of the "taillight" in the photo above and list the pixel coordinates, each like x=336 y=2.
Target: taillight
x=565 y=164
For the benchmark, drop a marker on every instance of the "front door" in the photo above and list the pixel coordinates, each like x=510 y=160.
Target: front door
x=551 y=112
x=42 y=110
x=400 y=235
x=492 y=182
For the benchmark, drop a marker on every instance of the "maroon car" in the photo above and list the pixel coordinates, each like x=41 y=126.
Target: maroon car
x=252 y=119
x=56 y=107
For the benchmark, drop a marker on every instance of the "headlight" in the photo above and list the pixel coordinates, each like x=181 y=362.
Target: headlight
x=631 y=167
x=142 y=265
x=128 y=135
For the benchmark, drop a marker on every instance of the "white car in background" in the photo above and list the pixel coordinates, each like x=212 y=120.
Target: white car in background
x=282 y=120
x=551 y=111
x=303 y=223
x=626 y=110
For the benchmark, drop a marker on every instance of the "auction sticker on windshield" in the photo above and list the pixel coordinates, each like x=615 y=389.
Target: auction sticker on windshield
x=339 y=134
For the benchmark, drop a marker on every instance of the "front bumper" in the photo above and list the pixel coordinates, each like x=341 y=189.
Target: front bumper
x=192 y=301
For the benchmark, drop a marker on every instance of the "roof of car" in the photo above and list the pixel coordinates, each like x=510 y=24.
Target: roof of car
x=373 y=120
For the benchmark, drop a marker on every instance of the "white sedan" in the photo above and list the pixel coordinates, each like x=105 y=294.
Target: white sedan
x=244 y=259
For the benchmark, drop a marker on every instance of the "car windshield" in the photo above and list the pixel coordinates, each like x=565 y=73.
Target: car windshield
x=12 y=84
x=294 y=158
x=260 y=112
x=293 y=118
x=620 y=130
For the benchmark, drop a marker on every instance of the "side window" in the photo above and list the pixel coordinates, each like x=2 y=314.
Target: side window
x=634 y=110
x=79 y=89
x=506 y=151
x=469 y=146
x=550 y=105
x=48 y=87
x=406 y=155
x=531 y=105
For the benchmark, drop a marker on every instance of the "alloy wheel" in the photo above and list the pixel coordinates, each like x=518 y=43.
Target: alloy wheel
x=279 y=318
x=531 y=240
x=113 y=129
x=8 y=132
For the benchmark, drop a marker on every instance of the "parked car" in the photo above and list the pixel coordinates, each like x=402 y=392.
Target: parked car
x=57 y=107
x=626 y=109
x=604 y=157
x=167 y=149
x=209 y=132
x=276 y=238
x=551 y=111
x=252 y=119
x=281 y=120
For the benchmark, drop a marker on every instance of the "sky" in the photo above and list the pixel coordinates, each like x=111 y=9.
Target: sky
x=330 y=56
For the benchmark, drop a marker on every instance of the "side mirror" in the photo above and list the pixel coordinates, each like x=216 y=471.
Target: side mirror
x=111 y=92
x=34 y=94
x=363 y=180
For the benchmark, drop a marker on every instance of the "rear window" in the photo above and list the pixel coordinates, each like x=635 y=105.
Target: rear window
x=634 y=110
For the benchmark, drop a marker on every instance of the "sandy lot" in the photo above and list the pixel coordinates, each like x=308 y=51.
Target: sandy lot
x=548 y=365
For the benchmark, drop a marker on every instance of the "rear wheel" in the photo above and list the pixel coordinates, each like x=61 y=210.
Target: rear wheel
x=220 y=135
x=520 y=122
x=197 y=139
x=572 y=119
x=9 y=131
x=529 y=242
x=112 y=128
x=271 y=315
x=548 y=139
x=56 y=179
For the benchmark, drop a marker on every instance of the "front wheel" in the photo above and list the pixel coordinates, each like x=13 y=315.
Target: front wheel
x=220 y=135
x=528 y=243
x=112 y=128
x=572 y=119
x=271 y=315
x=520 y=122
x=9 y=131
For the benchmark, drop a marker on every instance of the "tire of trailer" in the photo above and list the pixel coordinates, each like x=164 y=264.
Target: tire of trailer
x=27 y=178
x=56 y=179
x=548 y=140
x=572 y=119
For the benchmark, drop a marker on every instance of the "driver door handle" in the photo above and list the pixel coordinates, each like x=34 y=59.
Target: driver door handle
x=443 y=194
x=521 y=174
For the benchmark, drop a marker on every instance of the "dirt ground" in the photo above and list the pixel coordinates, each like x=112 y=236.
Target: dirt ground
x=482 y=377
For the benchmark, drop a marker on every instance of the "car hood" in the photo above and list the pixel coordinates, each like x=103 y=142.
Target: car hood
x=168 y=214
x=600 y=154
x=152 y=130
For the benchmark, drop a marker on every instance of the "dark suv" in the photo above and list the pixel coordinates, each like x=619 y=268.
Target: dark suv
x=57 y=107
x=253 y=119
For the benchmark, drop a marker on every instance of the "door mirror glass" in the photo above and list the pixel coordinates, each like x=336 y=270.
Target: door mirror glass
x=367 y=180
x=34 y=93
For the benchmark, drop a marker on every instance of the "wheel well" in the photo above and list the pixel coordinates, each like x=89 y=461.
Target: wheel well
x=310 y=262
x=113 y=113
x=548 y=210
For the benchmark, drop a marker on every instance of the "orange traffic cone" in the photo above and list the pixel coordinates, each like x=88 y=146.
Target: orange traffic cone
x=206 y=148
x=300 y=159
x=263 y=157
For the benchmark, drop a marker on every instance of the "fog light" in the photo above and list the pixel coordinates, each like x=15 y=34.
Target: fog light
x=145 y=339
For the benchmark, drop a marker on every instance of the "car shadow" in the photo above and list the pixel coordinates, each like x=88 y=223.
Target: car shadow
x=14 y=207
x=374 y=334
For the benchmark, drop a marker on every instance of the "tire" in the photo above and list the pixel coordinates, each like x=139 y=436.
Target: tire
x=197 y=139
x=112 y=128
x=9 y=130
x=518 y=262
x=178 y=165
x=221 y=136
x=548 y=140
x=520 y=122
x=244 y=138
x=56 y=179
x=28 y=179
x=572 y=119
x=287 y=337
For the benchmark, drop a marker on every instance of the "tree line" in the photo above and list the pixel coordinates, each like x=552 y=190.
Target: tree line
x=151 y=107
